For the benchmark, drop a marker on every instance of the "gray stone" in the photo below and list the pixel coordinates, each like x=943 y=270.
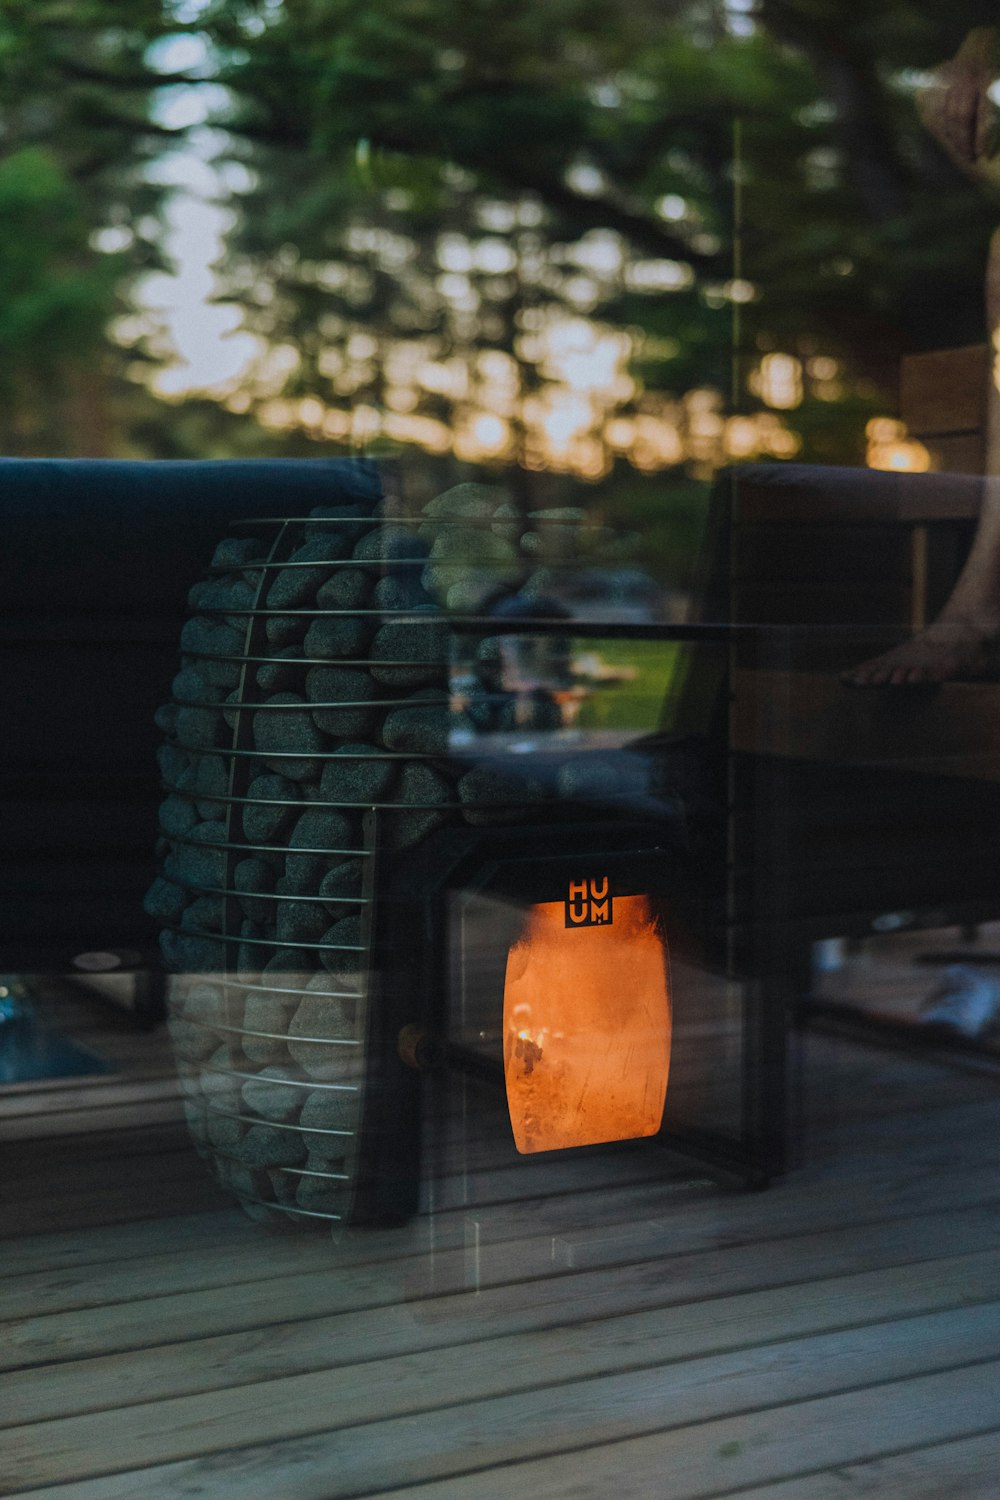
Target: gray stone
x=205 y=914
x=232 y=708
x=320 y=1194
x=194 y=1115
x=218 y=1086
x=421 y=644
x=390 y=545
x=221 y=595
x=419 y=726
x=237 y=552
x=243 y=1182
x=191 y=687
x=350 y=776
x=325 y=830
x=419 y=784
x=190 y=1042
x=341 y=946
x=318 y=1023
x=342 y=685
x=266 y=1011
x=223 y=1130
x=251 y=953
x=283 y=1186
x=282 y=673
x=197 y=592
x=346 y=588
x=300 y=921
x=465 y=502
x=165 y=901
x=209 y=641
x=288 y=729
x=179 y=813
x=507 y=522
x=327 y=1110
x=274 y=1094
x=205 y=1004
x=295 y=586
x=254 y=879
x=173 y=762
x=344 y=637
x=210 y=783
x=339 y=886
x=263 y=824
x=303 y=873
x=472 y=557
x=283 y=630
x=165 y=718
x=404 y=591
x=196 y=863
x=290 y=969
x=271 y=1146
x=199 y=728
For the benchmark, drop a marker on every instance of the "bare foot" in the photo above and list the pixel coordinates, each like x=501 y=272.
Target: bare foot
x=946 y=651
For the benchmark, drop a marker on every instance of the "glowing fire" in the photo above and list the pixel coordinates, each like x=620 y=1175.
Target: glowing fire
x=586 y=1024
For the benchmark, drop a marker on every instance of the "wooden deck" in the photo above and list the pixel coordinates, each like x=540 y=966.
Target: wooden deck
x=616 y=1326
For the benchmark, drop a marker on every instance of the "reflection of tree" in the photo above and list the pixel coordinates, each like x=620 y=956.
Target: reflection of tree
x=77 y=218
x=460 y=203
x=505 y=228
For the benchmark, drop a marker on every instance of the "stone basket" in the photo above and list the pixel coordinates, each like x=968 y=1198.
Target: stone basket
x=310 y=727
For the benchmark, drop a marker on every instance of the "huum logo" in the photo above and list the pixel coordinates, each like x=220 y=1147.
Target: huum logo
x=589 y=903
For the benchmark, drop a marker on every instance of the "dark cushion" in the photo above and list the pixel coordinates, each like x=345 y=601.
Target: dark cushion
x=95 y=566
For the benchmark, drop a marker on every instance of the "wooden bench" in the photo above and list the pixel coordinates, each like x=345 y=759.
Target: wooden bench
x=847 y=805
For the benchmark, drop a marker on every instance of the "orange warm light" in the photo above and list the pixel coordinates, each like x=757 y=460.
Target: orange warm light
x=586 y=1022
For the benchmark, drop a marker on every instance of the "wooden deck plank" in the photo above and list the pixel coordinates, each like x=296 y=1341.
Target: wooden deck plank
x=908 y=1309
x=623 y=1334
x=56 y=1096
x=171 y=1183
x=720 y=1457
x=315 y=1340
x=122 y=1117
x=965 y=1469
x=69 y=1250
x=605 y=1226
x=744 y=1417
x=968 y=1127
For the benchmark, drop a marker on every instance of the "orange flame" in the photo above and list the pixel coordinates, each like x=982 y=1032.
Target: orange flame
x=586 y=1022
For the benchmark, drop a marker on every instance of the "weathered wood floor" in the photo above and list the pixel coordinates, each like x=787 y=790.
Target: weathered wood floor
x=611 y=1327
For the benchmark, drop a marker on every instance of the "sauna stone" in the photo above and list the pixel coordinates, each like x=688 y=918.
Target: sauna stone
x=271 y=1146
x=422 y=645
x=326 y=1109
x=347 y=588
x=340 y=884
x=278 y=734
x=334 y=686
x=263 y=824
x=265 y=1011
x=274 y=1094
x=357 y=772
x=282 y=673
x=323 y=1016
x=419 y=726
x=254 y=879
x=336 y=637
